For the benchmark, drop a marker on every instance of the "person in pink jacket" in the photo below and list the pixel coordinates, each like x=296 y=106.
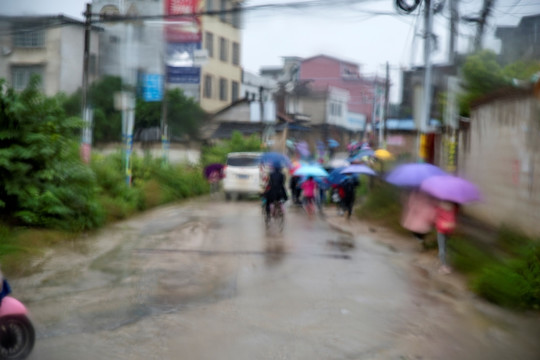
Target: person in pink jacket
x=445 y=222
x=419 y=214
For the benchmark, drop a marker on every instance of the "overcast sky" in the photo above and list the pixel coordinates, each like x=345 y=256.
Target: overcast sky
x=351 y=32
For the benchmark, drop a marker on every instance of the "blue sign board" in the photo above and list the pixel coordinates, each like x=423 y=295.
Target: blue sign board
x=183 y=75
x=180 y=63
x=152 y=87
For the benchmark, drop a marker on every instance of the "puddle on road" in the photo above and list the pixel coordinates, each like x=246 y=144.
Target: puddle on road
x=342 y=243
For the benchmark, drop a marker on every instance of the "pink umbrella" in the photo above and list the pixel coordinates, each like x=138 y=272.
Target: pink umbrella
x=451 y=188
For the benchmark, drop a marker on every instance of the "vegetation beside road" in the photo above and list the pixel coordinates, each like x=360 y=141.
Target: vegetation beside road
x=48 y=195
x=505 y=271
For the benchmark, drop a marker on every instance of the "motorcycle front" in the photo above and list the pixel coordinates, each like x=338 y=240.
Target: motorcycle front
x=17 y=334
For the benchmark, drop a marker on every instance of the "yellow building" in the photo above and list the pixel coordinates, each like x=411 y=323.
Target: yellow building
x=221 y=75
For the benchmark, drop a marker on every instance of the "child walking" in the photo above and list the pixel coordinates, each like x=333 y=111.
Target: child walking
x=445 y=223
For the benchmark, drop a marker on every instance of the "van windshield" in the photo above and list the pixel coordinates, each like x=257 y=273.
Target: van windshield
x=243 y=161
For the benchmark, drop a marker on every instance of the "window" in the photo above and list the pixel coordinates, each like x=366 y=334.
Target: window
x=223 y=49
x=222 y=9
x=236 y=53
x=207 y=86
x=209 y=5
x=234 y=91
x=236 y=16
x=223 y=89
x=29 y=38
x=20 y=76
x=335 y=109
x=209 y=41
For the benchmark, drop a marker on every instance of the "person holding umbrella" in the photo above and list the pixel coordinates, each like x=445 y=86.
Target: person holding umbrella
x=349 y=185
x=452 y=191
x=445 y=223
x=309 y=189
x=275 y=189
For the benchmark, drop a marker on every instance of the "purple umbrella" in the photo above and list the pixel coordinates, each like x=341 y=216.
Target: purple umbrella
x=451 y=188
x=412 y=175
x=303 y=148
x=358 y=169
x=213 y=167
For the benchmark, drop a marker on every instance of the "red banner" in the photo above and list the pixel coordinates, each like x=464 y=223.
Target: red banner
x=183 y=29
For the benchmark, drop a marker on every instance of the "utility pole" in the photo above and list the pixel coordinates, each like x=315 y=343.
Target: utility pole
x=486 y=10
x=386 y=100
x=426 y=109
x=86 y=142
x=164 y=123
x=454 y=16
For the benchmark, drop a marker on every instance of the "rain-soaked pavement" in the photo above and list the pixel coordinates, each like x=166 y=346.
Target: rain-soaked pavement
x=203 y=280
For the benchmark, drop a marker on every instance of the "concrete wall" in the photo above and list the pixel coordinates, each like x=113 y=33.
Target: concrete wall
x=501 y=154
x=177 y=153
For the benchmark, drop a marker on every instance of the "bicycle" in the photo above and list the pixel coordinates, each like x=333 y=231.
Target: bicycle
x=276 y=217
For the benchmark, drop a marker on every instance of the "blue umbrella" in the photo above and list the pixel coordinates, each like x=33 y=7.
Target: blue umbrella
x=276 y=158
x=358 y=169
x=310 y=170
x=333 y=143
x=335 y=177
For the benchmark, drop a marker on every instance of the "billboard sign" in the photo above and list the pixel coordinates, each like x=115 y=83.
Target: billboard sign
x=182 y=28
x=180 y=61
x=183 y=75
x=152 y=87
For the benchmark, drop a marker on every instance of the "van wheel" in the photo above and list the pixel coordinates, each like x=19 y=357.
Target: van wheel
x=227 y=196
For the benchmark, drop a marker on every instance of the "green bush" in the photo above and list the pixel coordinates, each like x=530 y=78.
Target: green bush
x=468 y=256
x=44 y=183
x=218 y=153
x=382 y=204
x=181 y=181
x=117 y=198
x=514 y=283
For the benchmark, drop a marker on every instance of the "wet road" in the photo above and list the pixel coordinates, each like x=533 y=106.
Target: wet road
x=204 y=281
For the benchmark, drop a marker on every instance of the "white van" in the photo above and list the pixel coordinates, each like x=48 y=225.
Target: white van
x=242 y=174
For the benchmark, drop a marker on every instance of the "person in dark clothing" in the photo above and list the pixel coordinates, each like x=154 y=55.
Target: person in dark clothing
x=295 y=189
x=275 y=189
x=349 y=185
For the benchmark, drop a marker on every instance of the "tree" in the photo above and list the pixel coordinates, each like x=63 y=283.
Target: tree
x=107 y=124
x=44 y=183
x=482 y=75
x=184 y=115
x=237 y=143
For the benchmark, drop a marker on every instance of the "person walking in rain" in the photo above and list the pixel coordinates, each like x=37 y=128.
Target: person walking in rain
x=419 y=214
x=445 y=223
x=309 y=190
x=349 y=185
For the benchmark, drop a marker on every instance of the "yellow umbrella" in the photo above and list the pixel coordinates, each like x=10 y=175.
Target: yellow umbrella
x=383 y=154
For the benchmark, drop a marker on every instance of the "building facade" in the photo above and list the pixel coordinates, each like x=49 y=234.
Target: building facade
x=49 y=46
x=326 y=73
x=521 y=42
x=199 y=54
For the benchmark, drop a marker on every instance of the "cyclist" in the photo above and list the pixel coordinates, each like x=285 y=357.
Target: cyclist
x=275 y=188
